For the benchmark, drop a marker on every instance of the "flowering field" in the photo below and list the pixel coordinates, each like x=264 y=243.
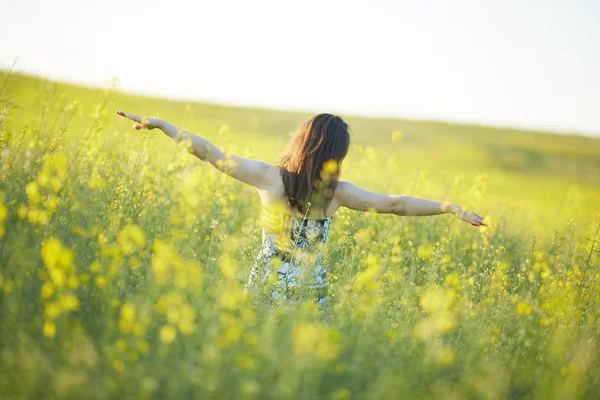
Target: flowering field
x=123 y=260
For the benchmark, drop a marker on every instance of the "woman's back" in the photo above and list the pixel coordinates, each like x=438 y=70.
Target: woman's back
x=293 y=233
x=291 y=257
x=275 y=199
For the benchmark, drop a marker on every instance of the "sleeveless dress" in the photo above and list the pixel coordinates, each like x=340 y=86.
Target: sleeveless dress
x=290 y=266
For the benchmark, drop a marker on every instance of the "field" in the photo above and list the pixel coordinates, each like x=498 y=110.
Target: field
x=123 y=259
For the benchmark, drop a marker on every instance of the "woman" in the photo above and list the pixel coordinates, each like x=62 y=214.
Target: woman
x=300 y=194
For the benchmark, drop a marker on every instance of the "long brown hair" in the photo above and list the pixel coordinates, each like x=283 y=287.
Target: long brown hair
x=310 y=167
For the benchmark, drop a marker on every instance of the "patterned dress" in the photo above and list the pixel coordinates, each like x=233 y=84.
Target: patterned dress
x=290 y=266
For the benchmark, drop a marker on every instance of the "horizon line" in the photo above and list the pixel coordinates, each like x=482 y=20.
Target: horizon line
x=352 y=114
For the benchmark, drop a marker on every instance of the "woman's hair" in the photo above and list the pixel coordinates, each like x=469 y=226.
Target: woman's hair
x=312 y=162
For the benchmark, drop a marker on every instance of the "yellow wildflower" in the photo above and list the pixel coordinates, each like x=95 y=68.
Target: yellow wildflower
x=523 y=309
x=47 y=290
x=397 y=136
x=118 y=365
x=445 y=356
x=49 y=329
x=69 y=302
x=317 y=340
x=168 y=334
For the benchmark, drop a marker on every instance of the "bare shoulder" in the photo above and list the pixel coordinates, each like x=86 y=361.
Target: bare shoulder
x=344 y=188
x=344 y=185
x=269 y=174
x=273 y=175
x=273 y=189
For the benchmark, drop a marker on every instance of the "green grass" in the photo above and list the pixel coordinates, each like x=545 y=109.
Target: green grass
x=122 y=260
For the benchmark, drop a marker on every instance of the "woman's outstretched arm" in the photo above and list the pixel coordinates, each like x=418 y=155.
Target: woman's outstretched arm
x=355 y=198
x=253 y=172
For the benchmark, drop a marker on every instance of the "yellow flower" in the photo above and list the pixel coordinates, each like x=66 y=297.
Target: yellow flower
x=131 y=238
x=397 y=136
x=49 y=329
x=53 y=310
x=227 y=266
x=96 y=180
x=330 y=166
x=251 y=388
x=3 y=210
x=231 y=298
x=424 y=329
x=51 y=250
x=43 y=179
x=425 y=252
x=22 y=211
x=73 y=282
x=436 y=299
x=138 y=329
x=101 y=281
x=341 y=394
x=444 y=322
x=186 y=327
x=33 y=193
x=245 y=361
x=523 y=309
x=223 y=129
x=445 y=356
x=118 y=365
x=121 y=345
x=128 y=312
x=51 y=203
x=47 y=290
x=69 y=302
x=452 y=280
x=233 y=330
x=65 y=258
x=58 y=277
x=134 y=263
x=55 y=184
x=95 y=267
x=167 y=334
x=163 y=258
x=102 y=239
x=317 y=340
x=173 y=315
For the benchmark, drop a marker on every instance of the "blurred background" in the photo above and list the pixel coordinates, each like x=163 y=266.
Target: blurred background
x=506 y=91
x=511 y=64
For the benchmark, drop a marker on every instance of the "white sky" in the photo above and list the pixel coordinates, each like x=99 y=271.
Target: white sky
x=514 y=63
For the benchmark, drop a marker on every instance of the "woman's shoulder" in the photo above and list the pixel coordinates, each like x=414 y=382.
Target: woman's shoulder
x=342 y=190
x=274 y=177
x=275 y=190
x=344 y=186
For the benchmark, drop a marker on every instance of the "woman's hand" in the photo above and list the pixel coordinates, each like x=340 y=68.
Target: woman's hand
x=142 y=122
x=467 y=216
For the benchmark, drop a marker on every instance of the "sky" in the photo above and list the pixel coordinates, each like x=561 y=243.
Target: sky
x=524 y=64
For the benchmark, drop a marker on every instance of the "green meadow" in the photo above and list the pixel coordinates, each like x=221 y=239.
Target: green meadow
x=123 y=259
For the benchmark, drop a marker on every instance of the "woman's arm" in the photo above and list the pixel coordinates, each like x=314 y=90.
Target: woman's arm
x=253 y=172
x=355 y=198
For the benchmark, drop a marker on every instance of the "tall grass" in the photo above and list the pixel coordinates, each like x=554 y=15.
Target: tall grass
x=123 y=259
